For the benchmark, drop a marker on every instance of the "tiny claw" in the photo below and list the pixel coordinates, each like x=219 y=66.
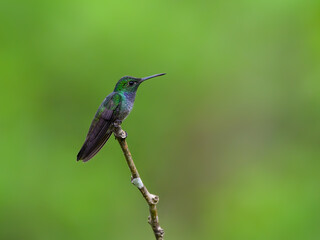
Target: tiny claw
x=117 y=123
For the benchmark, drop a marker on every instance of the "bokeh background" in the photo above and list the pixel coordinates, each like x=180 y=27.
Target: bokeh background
x=229 y=138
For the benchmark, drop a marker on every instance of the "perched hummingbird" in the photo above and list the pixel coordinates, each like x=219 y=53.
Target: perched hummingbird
x=114 y=108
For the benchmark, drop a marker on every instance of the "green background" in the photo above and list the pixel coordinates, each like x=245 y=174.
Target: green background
x=229 y=138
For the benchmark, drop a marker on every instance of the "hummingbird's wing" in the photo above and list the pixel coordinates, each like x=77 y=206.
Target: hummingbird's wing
x=101 y=127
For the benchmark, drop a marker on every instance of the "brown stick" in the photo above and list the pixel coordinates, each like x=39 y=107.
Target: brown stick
x=151 y=199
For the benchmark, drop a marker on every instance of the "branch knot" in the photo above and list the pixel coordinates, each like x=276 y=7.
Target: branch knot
x=117 y=130
x=154 y=199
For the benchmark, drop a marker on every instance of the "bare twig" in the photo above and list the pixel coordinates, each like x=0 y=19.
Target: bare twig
x=151 y=199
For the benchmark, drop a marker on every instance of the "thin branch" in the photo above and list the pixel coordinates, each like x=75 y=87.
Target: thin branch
x=151 y=199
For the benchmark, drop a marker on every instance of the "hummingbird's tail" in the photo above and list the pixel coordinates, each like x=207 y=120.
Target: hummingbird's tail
x=89 y=148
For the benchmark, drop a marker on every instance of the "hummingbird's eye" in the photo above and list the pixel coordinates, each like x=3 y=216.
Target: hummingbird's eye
x=131 y=83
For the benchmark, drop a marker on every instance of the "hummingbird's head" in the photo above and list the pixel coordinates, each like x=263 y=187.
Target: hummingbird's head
x=131 y=84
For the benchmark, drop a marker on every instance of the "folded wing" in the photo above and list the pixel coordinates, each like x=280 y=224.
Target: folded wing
x=101 y=127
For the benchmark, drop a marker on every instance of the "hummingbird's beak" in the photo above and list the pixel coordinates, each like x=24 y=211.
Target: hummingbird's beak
x=156 y=75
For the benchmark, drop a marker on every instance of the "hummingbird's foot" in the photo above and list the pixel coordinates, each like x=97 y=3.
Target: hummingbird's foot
x=117 y=123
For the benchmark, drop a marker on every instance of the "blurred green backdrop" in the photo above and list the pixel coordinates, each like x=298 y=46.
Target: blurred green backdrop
x=229 y=138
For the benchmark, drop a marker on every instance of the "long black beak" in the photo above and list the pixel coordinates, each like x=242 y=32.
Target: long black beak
x=156 y=75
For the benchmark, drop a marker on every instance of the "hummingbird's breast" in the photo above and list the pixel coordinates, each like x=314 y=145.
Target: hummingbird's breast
x=126 y=105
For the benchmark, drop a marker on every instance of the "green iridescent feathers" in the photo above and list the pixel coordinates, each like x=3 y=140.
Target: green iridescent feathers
x=127 y=84
x=115 y=107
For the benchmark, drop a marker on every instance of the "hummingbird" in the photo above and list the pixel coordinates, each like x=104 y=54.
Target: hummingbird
x=114 y=109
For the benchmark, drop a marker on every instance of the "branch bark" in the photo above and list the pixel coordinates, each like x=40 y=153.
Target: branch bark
x=151 y=199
